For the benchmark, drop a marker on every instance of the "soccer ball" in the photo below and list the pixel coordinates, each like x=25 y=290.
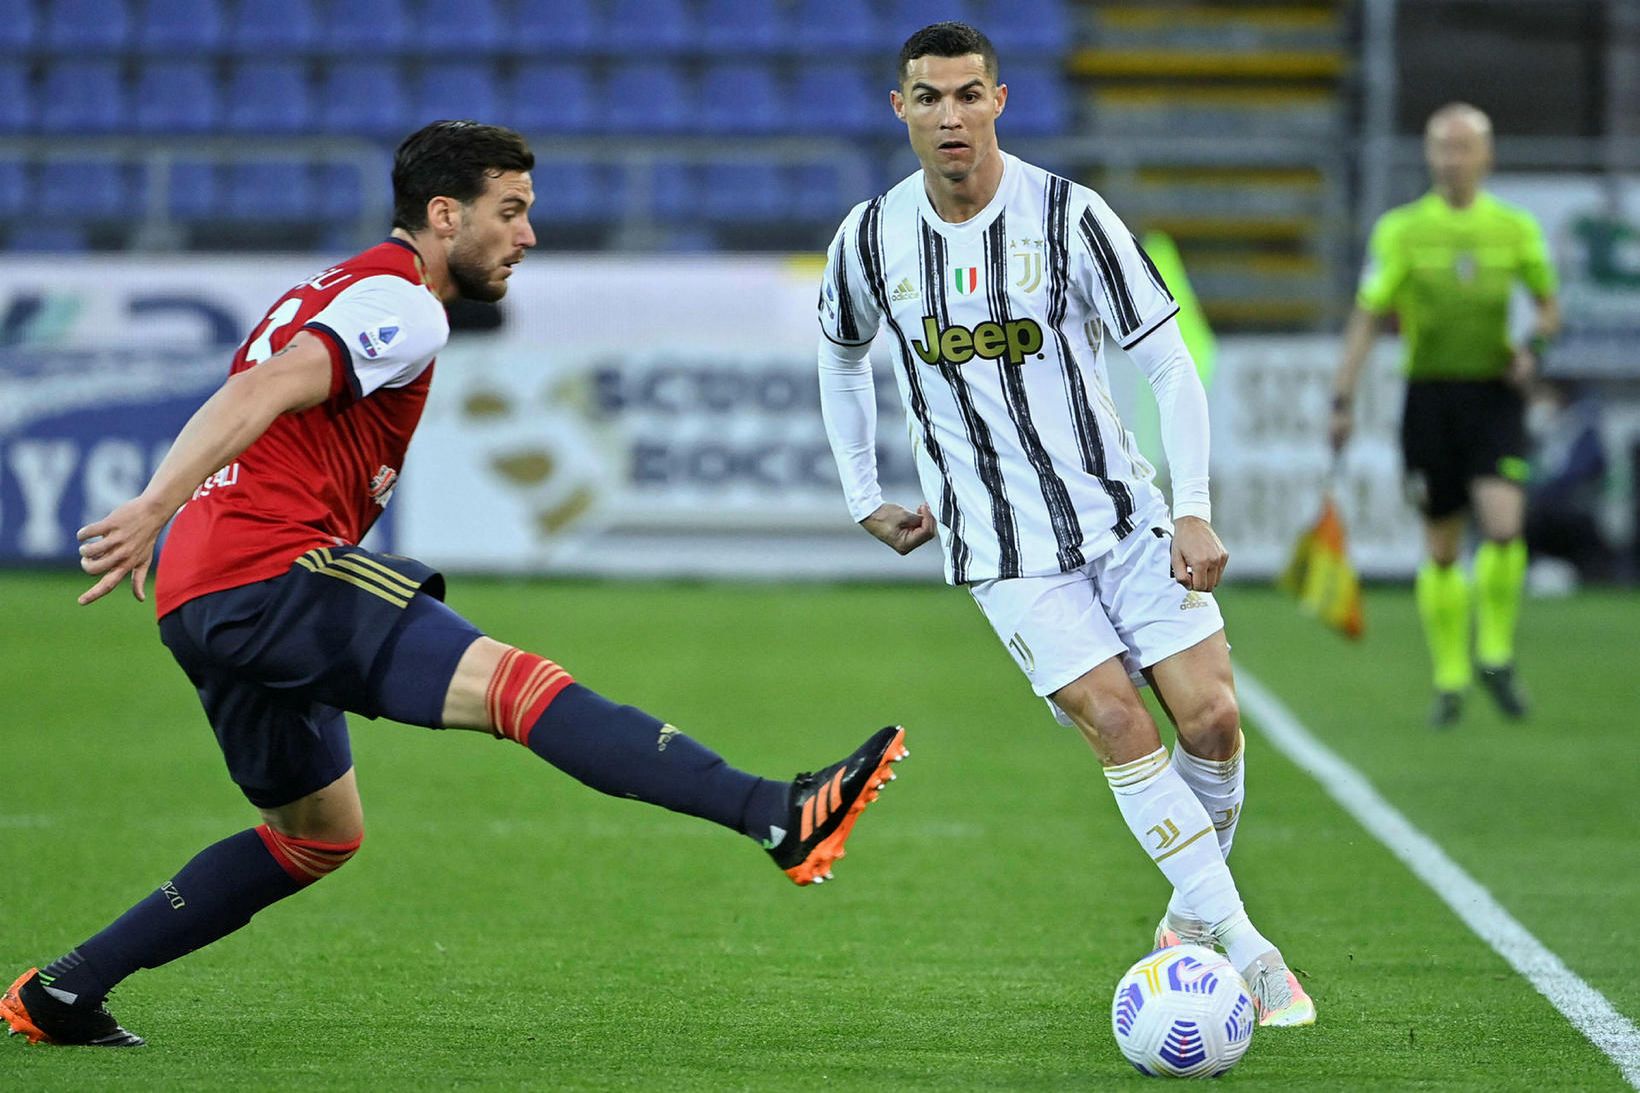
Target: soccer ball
x=1182 y=1012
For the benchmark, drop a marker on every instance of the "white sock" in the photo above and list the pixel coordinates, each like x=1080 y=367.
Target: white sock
x=1221 y=786
x=1170 y=823
x=1243 y=944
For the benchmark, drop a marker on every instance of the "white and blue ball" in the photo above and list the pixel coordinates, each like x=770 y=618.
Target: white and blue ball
x=1182 y=1012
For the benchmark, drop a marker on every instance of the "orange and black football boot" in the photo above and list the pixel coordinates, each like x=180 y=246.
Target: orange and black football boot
x=824 y=804
x=30 y=1010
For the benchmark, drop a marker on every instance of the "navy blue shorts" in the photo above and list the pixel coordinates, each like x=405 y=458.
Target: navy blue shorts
x=276 y=663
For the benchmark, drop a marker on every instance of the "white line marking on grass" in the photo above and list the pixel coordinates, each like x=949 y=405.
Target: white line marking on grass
x=1586 y=1008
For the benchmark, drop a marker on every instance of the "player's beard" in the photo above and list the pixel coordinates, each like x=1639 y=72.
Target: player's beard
x=472 y=278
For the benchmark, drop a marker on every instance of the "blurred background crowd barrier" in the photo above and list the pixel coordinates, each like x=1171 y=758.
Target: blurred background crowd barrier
x=644 y=400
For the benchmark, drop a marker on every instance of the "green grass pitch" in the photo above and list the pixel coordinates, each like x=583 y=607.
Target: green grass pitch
x=506 y=928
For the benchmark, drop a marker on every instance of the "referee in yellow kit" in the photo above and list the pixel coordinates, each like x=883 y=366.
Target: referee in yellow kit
x=1446 y=265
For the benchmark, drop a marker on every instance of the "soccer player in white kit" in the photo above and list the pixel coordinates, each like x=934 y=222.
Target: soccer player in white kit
x=997 y=285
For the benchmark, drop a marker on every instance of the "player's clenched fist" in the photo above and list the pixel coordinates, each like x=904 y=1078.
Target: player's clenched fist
x=901 y=528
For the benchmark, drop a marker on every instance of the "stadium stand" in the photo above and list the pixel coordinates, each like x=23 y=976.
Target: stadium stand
x=173 y=27
x=268 y=98
x=251 y=114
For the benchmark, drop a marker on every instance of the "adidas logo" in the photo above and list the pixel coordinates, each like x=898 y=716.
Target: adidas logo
x=905 y=290
x=1193 y=600
x=819 y=805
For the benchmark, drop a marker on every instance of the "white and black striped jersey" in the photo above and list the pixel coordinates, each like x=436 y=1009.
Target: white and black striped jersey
x=997 y=327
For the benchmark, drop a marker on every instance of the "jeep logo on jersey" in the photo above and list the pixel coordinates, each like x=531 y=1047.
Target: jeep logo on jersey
x=375 y=342
x=1012 y=341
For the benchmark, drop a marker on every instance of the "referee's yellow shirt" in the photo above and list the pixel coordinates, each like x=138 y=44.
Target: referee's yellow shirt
x=1448 y=273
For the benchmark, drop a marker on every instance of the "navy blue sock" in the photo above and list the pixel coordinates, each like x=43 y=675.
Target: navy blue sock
x=624 y=752
x=212 y=896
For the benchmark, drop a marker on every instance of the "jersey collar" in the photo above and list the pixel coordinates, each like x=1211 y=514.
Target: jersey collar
x=979 y=221
x=421 y=267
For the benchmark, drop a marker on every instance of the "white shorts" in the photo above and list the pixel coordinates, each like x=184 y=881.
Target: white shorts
x=1125 y=603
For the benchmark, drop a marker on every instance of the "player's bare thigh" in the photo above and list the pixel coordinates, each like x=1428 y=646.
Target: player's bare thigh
x=1107 y=709
x=1197 y=688
x=464 y=702
x=1500 y=507
x=333 y=814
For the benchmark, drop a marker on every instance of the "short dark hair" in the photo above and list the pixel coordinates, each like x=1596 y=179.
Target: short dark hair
x=948 y=40
x=451 y=159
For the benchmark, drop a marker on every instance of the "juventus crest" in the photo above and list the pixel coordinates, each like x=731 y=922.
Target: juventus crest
x=1025 y=258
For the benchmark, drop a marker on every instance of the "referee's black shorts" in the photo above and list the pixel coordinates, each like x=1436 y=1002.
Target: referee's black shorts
x=1455 y=431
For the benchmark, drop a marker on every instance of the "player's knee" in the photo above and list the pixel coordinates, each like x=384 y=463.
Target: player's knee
x=1113 y=725
x=1212 y=726
x=309 y=860
x=520 y=689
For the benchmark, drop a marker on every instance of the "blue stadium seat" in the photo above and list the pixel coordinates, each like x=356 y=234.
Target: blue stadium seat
x=16 y=99
x=274 y=30
x=1037 y=104
x=84 y=190
x=740 y=97
x=562 y=27
x=13 y=188
x=736 y=28
x=364 y=28
x=180 y=26
x=175 y=97
x=905 y=17
x=817 y=195
x=847 y=26
x=674 y=190
x=82 y=97
x=649 y=26
x=365 y=98
x=552 y=97
x=578 y=192
x=19 y=26
x=273 y=97
x=464 y=27
x=269 y=191
x=340 y=195
x=838 y=99
x=1026 y=30
x=742 y=193
x=647 y=97
x=191 y=191
x=86 y=27
x=454 y=90
x=37 y=238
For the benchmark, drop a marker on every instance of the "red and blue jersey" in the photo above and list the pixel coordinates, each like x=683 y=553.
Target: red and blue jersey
x=321 y=476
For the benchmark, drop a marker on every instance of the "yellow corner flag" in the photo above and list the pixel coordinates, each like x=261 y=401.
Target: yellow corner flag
x=1321 y=576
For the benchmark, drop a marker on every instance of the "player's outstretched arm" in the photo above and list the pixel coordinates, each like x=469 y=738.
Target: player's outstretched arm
x=241 y=410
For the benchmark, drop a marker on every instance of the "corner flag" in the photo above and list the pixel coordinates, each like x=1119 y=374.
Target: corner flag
x=1321 y=576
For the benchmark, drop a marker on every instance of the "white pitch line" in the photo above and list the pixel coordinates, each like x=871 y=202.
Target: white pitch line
x=1587 y=1009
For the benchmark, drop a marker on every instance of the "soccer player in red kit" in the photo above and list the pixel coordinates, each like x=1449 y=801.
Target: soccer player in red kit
x=282 y=622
